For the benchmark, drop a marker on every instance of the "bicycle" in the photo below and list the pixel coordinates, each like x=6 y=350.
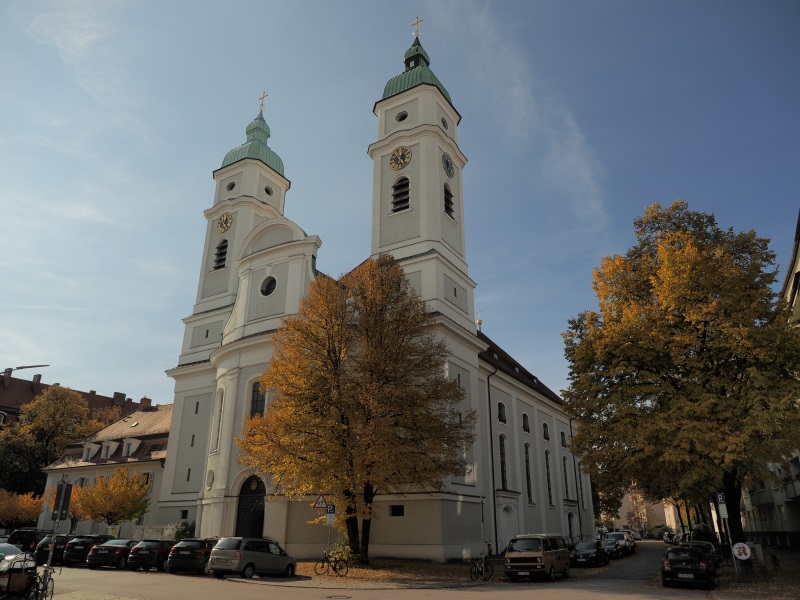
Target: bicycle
x=23 y=581
x=328 y=562
x=481 y=568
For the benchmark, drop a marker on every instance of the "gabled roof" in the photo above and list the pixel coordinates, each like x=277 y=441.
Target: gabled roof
x=146 y=422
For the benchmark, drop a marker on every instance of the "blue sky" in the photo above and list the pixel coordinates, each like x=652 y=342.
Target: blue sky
x=577 y=114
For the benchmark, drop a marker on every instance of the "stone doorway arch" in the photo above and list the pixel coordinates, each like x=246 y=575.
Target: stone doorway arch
x=250 y=509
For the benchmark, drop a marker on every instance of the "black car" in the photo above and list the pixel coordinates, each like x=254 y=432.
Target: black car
x=687 y=564
x=77 y=549
x=27 y=539
x=190 y=555
x=589 y=553
x=149 y=554
x=113 y=553
x=613 y=548
x=43 y=548
x=709 y=548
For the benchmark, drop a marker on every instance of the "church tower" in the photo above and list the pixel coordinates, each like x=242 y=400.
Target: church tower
x=418 y=207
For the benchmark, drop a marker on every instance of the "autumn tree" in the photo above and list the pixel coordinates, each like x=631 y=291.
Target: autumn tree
x=364 y=404
x=18 y=509
x=686 y=377
x=117 y=499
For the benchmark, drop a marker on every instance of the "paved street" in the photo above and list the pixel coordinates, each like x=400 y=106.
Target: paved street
x=630 y=578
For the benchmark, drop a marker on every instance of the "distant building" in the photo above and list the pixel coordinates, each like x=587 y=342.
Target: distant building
x=137 y=442
x=16 y=393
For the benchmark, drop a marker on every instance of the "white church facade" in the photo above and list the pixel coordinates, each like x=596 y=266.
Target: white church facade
x=257 y=265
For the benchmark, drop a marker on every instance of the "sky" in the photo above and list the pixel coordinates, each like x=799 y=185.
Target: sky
x=576 y=115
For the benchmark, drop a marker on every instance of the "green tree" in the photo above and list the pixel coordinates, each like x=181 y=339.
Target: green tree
x=364 y=404
x=685 y=379
x=117 y=499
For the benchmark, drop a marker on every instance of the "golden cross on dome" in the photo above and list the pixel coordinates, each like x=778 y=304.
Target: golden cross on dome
x=415 y=25
x=261 y=106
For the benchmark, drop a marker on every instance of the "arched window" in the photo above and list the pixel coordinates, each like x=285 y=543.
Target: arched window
x=258 y=402
x=526 y=426
x=528 y=473
x=449 y=207
x=401 y=195
x=221 y=255
x=547 y=472
x=545 y=431
x=220 y=412
x=503 y=467
x=566 y=478
x=501 y=412
x=564 y=439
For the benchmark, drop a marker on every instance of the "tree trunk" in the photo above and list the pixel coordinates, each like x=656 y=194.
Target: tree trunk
x=351 y=523
x=366 y=524
x=732 y=486
x=680 y=517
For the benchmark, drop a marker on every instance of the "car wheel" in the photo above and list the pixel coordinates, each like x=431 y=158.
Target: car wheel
x=172 y=570
x=665 y=582
x=551 y=574
x=512 y=576
x=205 y=570
x=132 y=568
x=710 y=585
x=122 y=562
x=565 y=572
x=248 y=571
x=92 y=567
x=66 y=563
x=219 y=575
x=289 y=571
x=160 y=566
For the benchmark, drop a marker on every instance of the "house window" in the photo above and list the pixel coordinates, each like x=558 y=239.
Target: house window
x=188 y=473
x=566 y=478
x=268 y=286
x=219 y=423
x=397 y=510
x=545 y=431
x=528 y=473
x=526 y=426
x=564 y=439
x=184 y=514
x=501 y=412
x=259 y=401
x=221 y=255
x=547 y=471
x=401 y=196
x=580 y=487
x=503 y=469
x=127 y=451
x=196 y=407
x=448 y=201
x=191 y=445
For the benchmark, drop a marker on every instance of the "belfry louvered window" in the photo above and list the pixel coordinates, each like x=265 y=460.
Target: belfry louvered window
x=221 y=255
x=401 y=196
x=448 y=202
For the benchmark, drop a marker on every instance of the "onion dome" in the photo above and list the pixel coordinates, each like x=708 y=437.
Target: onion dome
x=417 y=73
x=256 y=147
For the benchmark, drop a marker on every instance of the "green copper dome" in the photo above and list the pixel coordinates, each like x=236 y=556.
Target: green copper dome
x=256 y=147
x=417 y=72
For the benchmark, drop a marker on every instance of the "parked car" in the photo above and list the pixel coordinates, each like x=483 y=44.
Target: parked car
x=627 y=543
x=190 y=555
x=589 y=553
x=532 y=555
x=43 y=548
x=9 y=554
x=77 y=549
x=250 y=556
x=613 y=548
x=687 y=564
x=26 y=539
x=149 y=554
x=710 y=549
x=3 y=539
x=113 y=553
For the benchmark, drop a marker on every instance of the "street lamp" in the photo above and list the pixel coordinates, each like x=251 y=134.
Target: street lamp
x=8 y=371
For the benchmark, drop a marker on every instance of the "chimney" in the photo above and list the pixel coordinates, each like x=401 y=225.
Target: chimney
x=36 y=384
x=145 y=402
x=119 y=398
x=7 y=378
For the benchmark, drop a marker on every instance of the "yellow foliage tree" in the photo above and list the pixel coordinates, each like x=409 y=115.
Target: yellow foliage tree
x=18 y=509
x=364 y=404
x=116 y=499
x=685 y=381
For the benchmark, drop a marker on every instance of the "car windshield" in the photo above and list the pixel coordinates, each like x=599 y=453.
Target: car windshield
x=188 y=544
x=82 y=538
x=228 y=544
x=116 y=543
x=525 y=545
x=585 y=546
x=150 y=544
x=610 y=542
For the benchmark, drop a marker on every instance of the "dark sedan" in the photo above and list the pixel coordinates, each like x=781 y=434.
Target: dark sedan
x=150 y=554
x=613 y=548
x=687 y=565
x=709 y=549
x=113 y=553
x=77 y=549
x=190 y=555
x=43 y=549
x=589 y=553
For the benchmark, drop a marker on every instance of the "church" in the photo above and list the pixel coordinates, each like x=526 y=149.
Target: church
x=255 y=268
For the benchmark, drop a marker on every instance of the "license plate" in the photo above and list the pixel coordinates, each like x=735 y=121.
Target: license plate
x=101 y=551
x=581 y=560
x=220 y=560
x=185 y=552
x=77 y=547
x=523 y=573
x=685 y=576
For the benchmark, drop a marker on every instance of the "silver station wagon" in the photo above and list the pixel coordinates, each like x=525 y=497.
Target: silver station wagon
x=245 y=557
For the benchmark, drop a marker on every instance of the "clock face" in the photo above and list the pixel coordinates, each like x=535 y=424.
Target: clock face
x=400 y=158
x=448 y=165
x=224 y=222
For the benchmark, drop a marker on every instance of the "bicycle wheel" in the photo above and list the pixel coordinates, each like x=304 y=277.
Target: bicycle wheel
x=340 y=567
x=51 y=586
x=488 y=571
x=474 y=571
x=321 y=568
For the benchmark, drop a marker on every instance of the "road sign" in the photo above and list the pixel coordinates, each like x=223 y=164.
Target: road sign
x=741 y=551
x=61 y=505
x=320 y=503
x=331 y=509
x=720 y=498
x=329 y=519
x=723 y=511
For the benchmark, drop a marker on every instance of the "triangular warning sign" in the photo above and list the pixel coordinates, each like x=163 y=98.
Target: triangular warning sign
x=320 y=503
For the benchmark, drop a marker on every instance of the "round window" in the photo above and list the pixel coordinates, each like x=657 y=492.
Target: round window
x=230 y=186
x=444 y=123
x=401 y=116
x=268 y=286
x=268 y=191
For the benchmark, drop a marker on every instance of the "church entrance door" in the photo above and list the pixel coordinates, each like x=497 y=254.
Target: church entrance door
x=250 y=512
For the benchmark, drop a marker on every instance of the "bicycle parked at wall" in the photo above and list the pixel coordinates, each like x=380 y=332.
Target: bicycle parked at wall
x=482 y=569
x=328 y=562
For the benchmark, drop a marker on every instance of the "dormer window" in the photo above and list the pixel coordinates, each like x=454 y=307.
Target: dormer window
x=221 y=255
x=129 y=446
x=401 y=196
x=448 y=202
x=89 y=450
x=108 y=449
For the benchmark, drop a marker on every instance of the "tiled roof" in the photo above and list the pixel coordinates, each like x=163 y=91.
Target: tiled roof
x=142 y=423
